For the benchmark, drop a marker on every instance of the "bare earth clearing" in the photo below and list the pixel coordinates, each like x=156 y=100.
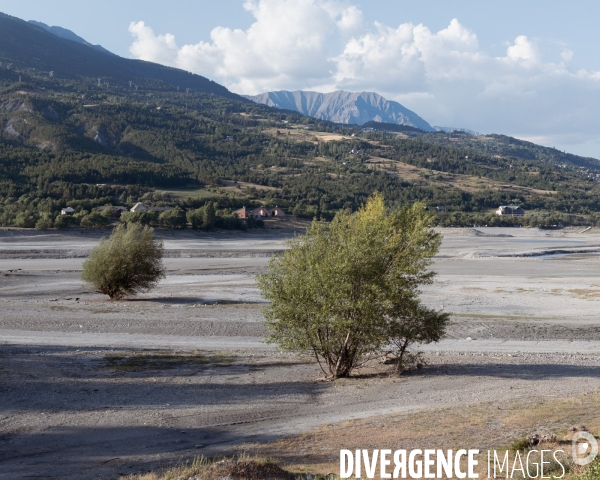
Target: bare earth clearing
x=93 y=389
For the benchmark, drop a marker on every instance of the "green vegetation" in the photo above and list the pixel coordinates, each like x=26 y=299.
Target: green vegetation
x=592 y=472
x=85 y=129
x=243 y=466
x=159 y=360
x=350 y=288
x=128 y=262
x=125 y=149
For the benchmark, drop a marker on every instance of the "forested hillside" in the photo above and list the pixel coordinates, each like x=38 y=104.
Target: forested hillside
x=71 y=138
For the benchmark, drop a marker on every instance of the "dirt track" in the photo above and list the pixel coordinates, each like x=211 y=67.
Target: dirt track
x=66 y=412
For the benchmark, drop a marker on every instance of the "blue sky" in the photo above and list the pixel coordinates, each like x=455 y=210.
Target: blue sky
x=523 y=68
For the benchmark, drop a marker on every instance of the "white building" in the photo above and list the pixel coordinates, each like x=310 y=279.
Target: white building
x=510 y=210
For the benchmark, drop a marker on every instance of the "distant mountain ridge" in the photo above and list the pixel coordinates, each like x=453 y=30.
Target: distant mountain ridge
x=452 y=129
x=344 y=107
x=30 y=46
x=68 y=35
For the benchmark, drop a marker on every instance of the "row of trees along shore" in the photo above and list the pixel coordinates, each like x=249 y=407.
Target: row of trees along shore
x=205 y=217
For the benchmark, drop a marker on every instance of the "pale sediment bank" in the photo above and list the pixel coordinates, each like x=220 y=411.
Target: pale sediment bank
x=525 y=326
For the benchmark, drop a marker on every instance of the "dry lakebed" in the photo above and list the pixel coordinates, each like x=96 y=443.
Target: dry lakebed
x=91 y=388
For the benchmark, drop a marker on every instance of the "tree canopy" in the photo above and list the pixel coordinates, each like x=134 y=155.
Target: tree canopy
x=350 y=288
x=128 y=262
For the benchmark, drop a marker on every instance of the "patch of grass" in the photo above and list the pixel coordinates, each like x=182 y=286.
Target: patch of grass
x=162 y=360
x=197 y=193
x=483 y=426
x=242 y=467
x=592 y=472
x=520 y=445
x=585 y=292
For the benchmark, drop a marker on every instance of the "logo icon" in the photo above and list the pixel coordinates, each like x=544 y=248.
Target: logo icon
x=585 y=448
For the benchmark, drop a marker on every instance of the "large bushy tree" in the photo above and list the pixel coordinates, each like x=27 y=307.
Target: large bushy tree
x=128 y=262
x=350 y=288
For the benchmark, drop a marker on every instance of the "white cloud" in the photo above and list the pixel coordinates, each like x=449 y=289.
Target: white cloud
x=285 y=45
x=147 y=46
x=522 y=50
x=350 y=22
x=566 y=54
x=445 y=76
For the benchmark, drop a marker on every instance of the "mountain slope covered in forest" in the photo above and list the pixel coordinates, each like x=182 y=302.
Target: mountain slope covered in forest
x=67 y=139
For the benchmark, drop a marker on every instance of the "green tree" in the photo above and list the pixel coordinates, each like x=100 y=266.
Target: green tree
x=94 y=219
x=209 y=214
x=350 y=288
x=194 y=217
x=174 y=218
x=417 y=324
x=44 y=223
x=128 y=262
x=65 y=221
x=145 y=217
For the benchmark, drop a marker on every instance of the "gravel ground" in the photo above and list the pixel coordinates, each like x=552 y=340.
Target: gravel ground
x=67 y=412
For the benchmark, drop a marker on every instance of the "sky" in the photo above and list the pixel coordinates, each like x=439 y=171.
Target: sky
x=530 y=69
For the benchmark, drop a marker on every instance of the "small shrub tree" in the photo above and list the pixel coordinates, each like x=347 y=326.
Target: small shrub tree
x=44 y=223
x=209 y=214
x=418 y=324
x=174 y=218
x=195 y=217
x=252 y=222
x=65 y=221
x=350 y=288
x=228 y=221
x=94 y=219
x=145 y=217
x=128 y=262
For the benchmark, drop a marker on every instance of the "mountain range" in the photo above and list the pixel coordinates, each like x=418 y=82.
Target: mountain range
x=75 y=58
x=344 y=107
x=76 y=130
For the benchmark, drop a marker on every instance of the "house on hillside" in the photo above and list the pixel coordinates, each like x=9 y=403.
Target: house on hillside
x=241 y=213
x=260 y=212
x=276 y=212
x=440 y=208
x=510 y=210
x=140 y=207
x=67 y=211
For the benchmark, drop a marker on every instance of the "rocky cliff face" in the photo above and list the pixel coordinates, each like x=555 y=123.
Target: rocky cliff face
x=344 y=107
